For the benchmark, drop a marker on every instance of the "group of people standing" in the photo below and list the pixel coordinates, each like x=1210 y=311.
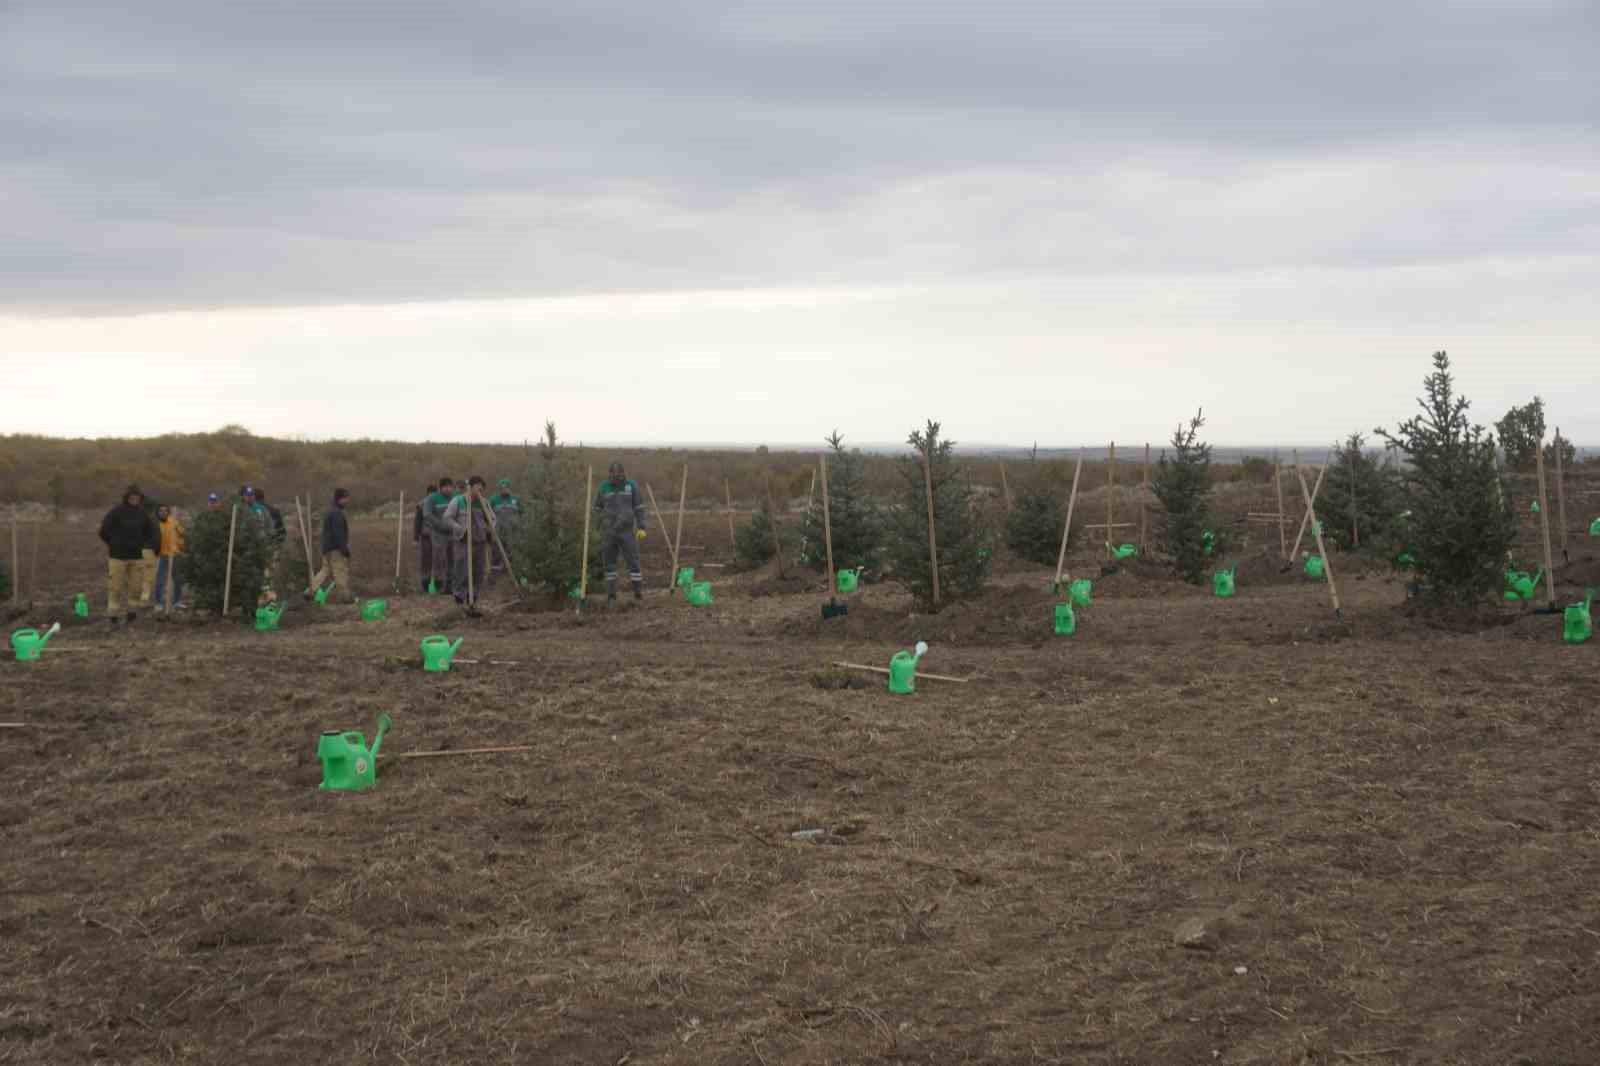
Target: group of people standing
x=458 y=535
x=447 y=521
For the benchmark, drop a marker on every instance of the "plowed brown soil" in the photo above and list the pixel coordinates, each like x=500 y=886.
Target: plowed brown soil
x=1387 y=831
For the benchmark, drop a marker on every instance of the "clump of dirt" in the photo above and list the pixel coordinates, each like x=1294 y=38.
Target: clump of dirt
x=790 y=584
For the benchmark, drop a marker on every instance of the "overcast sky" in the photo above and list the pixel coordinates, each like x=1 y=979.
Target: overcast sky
x=740 y=222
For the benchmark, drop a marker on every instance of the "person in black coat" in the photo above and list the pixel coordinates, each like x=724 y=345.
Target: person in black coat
x=127 y=530
x=335 y=549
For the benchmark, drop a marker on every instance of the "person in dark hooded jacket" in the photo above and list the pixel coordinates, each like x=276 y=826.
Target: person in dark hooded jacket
x=126 y=530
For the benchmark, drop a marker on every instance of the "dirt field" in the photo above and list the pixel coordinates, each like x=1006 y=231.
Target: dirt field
x=1382 y=836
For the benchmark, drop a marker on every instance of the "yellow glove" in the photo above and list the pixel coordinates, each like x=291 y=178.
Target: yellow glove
x=639 y=534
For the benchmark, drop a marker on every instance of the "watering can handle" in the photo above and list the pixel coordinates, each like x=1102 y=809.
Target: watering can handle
x=353 y=737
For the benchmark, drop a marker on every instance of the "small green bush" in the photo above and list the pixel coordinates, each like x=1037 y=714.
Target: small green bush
x=752 y=541
x=1182 y=487
x=1033 y=525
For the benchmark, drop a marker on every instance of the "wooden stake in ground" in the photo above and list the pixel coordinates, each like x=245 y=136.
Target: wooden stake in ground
x=727 y=494
x=583 y=560
x=1355 y=532
x=304 y=518
x=1111 y=487
x=1305 y=519
x=1144 y=514
x=472 y=592
x=16 y=578
x=777 y=541
x=1066 y=530
x=827 y=525
x=399 y=537
x=662 y=522
x=306 y=530
x=1561 y=498
x=33 y=567
x=677 y=541
x=1544 y=529
x=1005 y=488
x=505 y=556
x=1277 y=483
x=227 y=575
x=933 y=543
x=1316 y=527
x=172 y=566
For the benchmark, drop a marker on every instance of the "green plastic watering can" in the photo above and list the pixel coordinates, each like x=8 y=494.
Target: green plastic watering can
x=699 y=593
x=322 y=593
x=1405 y=560
x=1124 y=551
x=1594 y=528
x=1222 y=583
x=1208 y=541
x=80 y=606
x=1534 y=508
x=1314 y=566
x=1577 y=622
x=28 y=643
x=267 y=617
x=1081 y=591
x=374 y=610
x=347 y=765
x=1519 y=586
x=685 y=577
x=1066 y=621
x=848 y=580
x=437 y=651
x=903 y=670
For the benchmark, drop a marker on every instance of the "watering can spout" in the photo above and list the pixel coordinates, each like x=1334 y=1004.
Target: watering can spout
x=453 y=647
x=52 y=631
x=384 y=722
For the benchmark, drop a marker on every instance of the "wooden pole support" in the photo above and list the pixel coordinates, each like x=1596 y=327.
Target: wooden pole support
x=827 y=523
x=1305 y=519
x=662 y=522
x=1144 y=505
x=727 y=495
x=503 y=750
x=1544 y=528
x=677 y=541
x=227 y=571
x=1355 y=529
x=1066 y=529
x=399 y=536
x=172 y=562
x=303 y=519
x=583 y=559
x=1561 y=495
x=16 y=578
x=920 y=675
x=933 y=543
x=772 y=509
x=1283 y=535
x=1111 y=488
x=1316 y=527
x=505 y=556
x=33 y=567
x=1005 y=488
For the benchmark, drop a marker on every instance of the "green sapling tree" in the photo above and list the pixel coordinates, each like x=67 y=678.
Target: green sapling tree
x=1182 y=488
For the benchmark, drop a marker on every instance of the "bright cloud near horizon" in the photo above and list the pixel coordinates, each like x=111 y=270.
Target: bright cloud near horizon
x=659 y=221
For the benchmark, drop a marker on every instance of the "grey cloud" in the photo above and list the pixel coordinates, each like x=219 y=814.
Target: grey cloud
x=162 y=154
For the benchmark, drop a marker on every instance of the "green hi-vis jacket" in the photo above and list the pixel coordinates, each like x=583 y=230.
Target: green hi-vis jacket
x=620 y=507
x=504 y=502
x=433 y=509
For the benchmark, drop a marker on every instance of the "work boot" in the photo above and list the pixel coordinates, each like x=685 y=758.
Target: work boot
x=611 y=601
x=638 y=589
x=132 y=617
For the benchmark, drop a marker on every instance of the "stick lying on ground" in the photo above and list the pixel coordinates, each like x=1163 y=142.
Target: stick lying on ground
x=457 y=751
x=13 y=725
x=491 y=662
x=920 y=675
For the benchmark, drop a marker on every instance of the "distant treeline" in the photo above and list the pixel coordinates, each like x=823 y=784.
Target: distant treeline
x=184 y=468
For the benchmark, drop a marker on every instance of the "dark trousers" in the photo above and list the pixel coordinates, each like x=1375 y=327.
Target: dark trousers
x=425 y=559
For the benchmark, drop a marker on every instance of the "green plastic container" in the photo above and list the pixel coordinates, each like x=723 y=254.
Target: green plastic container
x=1124 y=551
x=699 y=593
x=1534 y=507
x=322 y=593
x=1314 y=566
x=1406 y=561
x=28 y=643
x=267 y=617
x=1208 y=541
x=1066 y=621
x=685 y=577
x=903 y=670
x=347 y=764
x=80 y=606
x=1594 y=528
x=1222 y=583
x=848 y=580
x=1082 y=592
x=437 y=652
x=1577 y=622
x=1520 y=586
x=374 y=610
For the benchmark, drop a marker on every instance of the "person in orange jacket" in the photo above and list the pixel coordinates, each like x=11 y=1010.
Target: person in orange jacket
x=167 y=559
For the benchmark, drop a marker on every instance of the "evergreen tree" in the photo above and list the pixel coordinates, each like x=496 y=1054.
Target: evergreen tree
x=856 y=519
x=1183 y=490
x=1379 y=496
x=1033 y=525
x=205 y=560
x=549 y=538
x=1461 y=525
x=752 y=541
x=961 y=528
